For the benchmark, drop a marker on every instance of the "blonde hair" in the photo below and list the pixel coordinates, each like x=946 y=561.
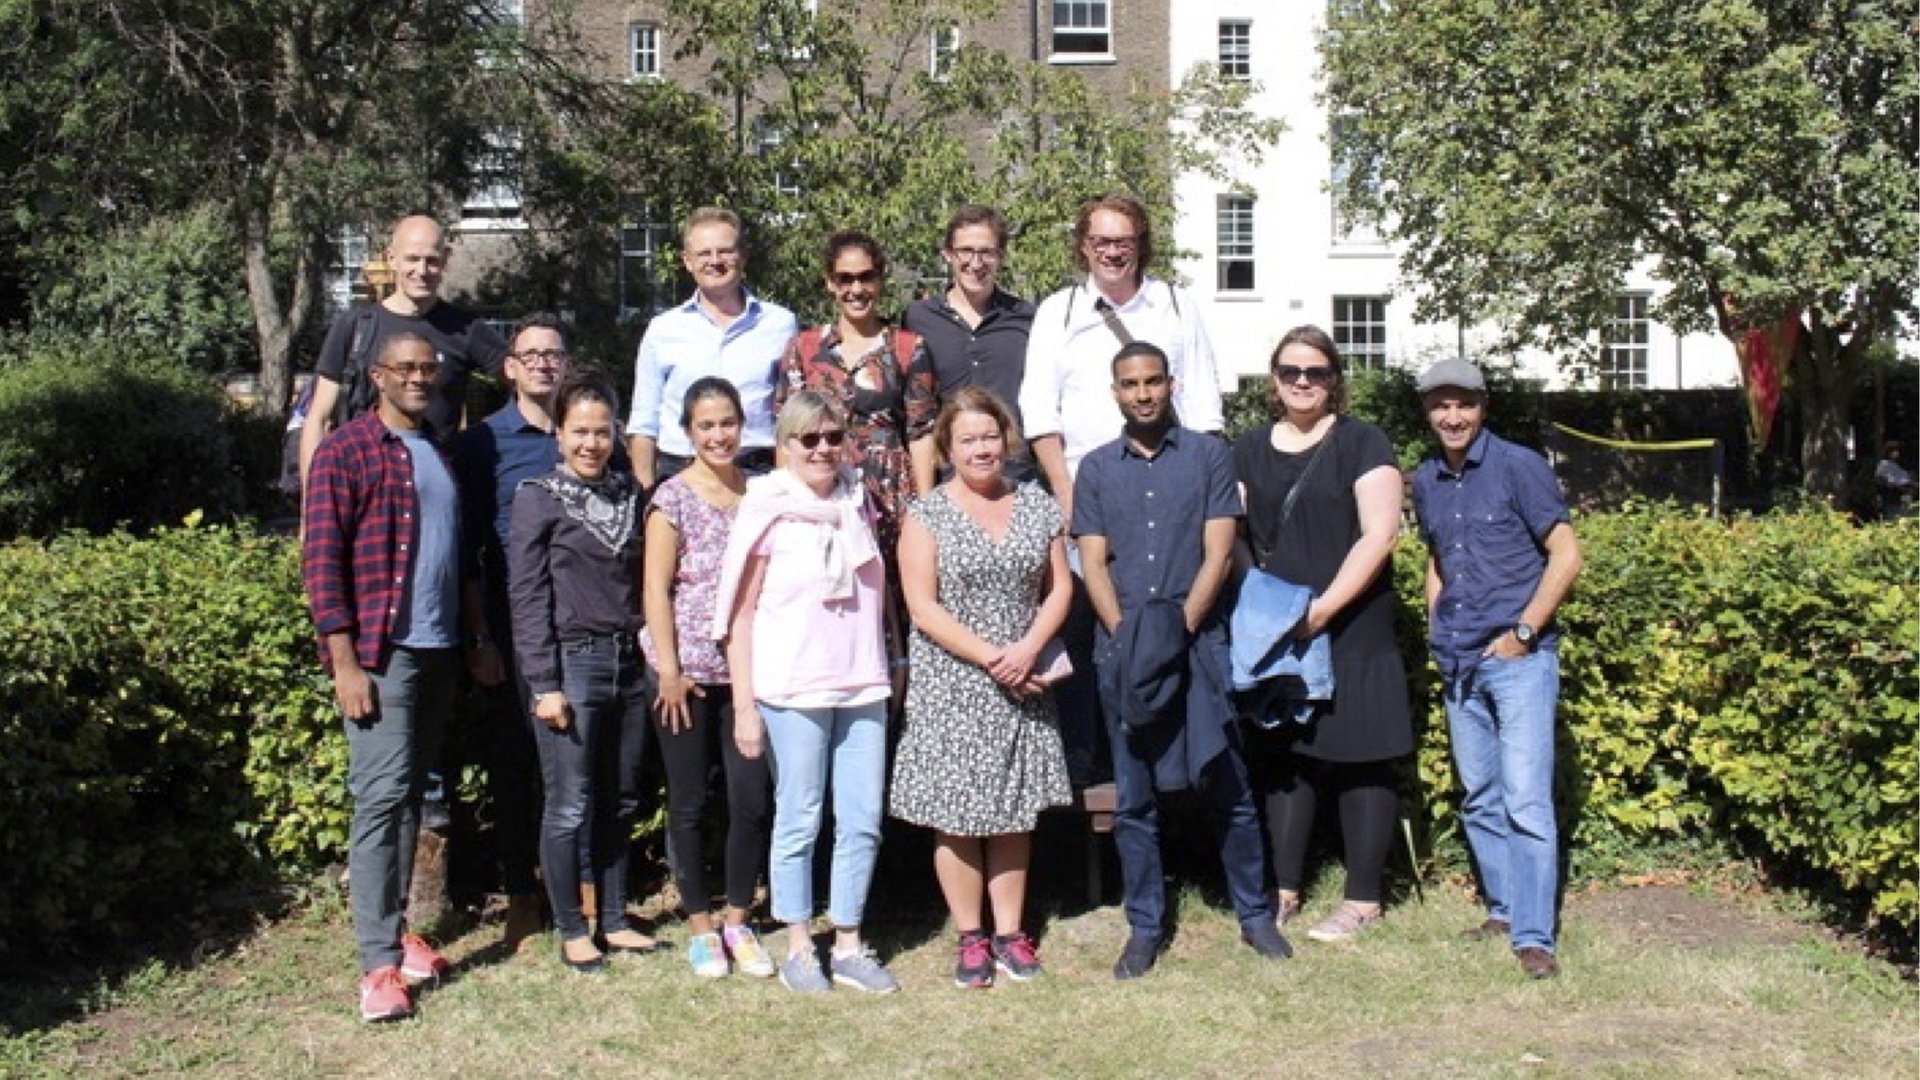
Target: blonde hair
x=808 y=410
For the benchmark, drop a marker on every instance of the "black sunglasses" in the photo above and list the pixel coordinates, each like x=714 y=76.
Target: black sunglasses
x=1318 y=376
x=812 y=439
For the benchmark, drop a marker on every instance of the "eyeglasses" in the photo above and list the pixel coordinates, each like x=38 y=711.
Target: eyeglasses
x=1318 y=376
x=542 y=357
x=419 y=369
x=1113 y=244
x=979 y=255
x=812 y=439
x=847 y=281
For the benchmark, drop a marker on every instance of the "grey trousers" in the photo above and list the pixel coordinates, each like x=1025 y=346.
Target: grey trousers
x=388 y=756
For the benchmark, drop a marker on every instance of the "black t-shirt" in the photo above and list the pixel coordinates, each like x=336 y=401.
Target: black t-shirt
x=463 y=342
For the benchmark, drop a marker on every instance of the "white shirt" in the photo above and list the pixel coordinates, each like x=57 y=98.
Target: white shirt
x=1068 y=386
x=683 y=344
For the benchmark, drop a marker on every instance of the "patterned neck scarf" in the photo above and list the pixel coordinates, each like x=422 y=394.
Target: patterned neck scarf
x=607 y=509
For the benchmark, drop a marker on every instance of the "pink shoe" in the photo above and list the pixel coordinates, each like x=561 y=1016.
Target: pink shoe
x=419 y=963
x=1345 y=923
x=384 y=996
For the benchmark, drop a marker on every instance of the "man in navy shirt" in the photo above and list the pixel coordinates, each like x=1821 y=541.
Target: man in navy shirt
x=1155 y=513
x=1502 y=556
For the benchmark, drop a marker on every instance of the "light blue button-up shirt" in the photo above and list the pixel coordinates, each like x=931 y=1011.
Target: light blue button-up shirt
x=684 y=344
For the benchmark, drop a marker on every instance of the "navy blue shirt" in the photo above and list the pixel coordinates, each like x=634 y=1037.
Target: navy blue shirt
x=492 y=457
x=1486 y=527
x=1154 y=511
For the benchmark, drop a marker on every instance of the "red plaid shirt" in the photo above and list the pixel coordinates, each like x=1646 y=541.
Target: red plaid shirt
x=361 y=531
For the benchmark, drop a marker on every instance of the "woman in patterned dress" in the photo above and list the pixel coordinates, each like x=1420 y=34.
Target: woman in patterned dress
x=688 y=523
x=984 y=567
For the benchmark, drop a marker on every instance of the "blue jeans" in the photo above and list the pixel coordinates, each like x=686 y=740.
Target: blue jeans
x=809 y=746
x=1136 y=835
x=387 y=758
x=591 y=773
x=1500 y=716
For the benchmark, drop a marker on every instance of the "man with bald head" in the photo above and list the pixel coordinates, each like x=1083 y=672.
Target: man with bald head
x=462 y=341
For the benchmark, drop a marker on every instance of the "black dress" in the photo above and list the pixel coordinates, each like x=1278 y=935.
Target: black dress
x=1369 y=720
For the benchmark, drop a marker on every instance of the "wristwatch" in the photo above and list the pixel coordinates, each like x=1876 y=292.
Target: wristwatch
x=1524 y=634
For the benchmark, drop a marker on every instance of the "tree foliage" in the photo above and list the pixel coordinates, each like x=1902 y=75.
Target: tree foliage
x=1758 y=154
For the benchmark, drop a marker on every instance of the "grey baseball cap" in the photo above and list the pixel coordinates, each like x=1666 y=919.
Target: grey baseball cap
x=1452 y=371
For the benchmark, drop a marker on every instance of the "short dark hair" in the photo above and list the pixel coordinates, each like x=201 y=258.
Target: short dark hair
x=1143 y=348
x=540 y=320
x=584 y=388
x=842 y=239
x=709 y=386
x=1126 y=206
x=1321 y=342
x=394 y=341
x=975 y=214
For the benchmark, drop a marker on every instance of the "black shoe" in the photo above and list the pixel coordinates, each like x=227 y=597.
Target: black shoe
x=1538 y=963
x=1266 y=939
x=585 y=967
x=1138 y=957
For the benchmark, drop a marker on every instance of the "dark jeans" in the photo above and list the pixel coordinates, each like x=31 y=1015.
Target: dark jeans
x=1077 y=698
x=513 y=780
x=1136 y=835
x=591 y=773
x=688 y=756
x=387 y=757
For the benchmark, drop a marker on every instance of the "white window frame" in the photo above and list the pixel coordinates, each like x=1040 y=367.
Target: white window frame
x=943 y=47
x=1234 y=239
x=641 y=243
x=643 y=50
x=767 y=142
x=496 y=201
x=1626 y=344
x=347 y=256
x=1091 y=20
x=1345 y=233
x=1360 y=331
x=1236 y=48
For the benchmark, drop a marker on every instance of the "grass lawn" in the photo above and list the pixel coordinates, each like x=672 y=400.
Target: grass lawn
x=1672 y=979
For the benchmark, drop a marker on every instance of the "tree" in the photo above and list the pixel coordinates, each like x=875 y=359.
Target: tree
x=1758 y=154
x=298 y=117
x=838 y=122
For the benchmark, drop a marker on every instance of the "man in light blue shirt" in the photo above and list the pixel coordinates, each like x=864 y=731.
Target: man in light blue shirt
x=722 y=329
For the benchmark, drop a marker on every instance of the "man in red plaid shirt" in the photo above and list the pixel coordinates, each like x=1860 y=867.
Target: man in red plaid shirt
x=381 y=564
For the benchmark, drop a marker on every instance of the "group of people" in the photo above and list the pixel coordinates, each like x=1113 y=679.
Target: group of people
x=948 y=569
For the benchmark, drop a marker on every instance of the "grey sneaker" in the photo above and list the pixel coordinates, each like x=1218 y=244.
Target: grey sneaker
x=802 y=975
x=862 y=971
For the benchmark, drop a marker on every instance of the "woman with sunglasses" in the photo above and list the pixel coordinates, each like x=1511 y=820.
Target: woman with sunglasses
x=573 y=558
x=879 y=374
x=1335 y=537
x=688 y=521
x=799 y=603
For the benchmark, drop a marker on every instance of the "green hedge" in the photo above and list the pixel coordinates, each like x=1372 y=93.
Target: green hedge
x=166 y=725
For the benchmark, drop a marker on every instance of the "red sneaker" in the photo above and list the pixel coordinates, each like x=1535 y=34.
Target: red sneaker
x=419 y=963
x=384 y=996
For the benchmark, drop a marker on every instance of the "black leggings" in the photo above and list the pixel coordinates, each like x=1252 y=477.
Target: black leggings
x=688 y=756
x=1290 y=788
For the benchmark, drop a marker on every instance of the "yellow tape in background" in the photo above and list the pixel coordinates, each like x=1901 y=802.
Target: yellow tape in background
x=1623 y=444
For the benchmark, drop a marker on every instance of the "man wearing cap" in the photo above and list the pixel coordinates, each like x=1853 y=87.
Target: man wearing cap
x=1502 y=556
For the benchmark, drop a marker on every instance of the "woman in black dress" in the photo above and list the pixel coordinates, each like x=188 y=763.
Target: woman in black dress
x=1337 y=539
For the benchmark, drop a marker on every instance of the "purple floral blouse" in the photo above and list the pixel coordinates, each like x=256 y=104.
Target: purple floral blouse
x=702 y=530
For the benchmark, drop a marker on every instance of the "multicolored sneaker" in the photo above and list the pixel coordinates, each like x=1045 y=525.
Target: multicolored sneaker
x=862 y=971
x=975 y=969
x=707 y=955
x=418 y=962
x=1015 y=955
x=1345 y=923
x=384 y=996
x=749 y=956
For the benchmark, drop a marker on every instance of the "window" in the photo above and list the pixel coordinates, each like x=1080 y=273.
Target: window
x=1347 y=230
x=785 y=170
x=643 y=50
x=645 y=286
x=1083 y=29
x=1236 y=48
x=1624 y=345
x=1360 y=331
x=494 y=194
x=1234 y=215
x=942 y=46
x=346 y=258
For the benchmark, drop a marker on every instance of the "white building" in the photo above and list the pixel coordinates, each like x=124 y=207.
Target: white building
x=1278 y=257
